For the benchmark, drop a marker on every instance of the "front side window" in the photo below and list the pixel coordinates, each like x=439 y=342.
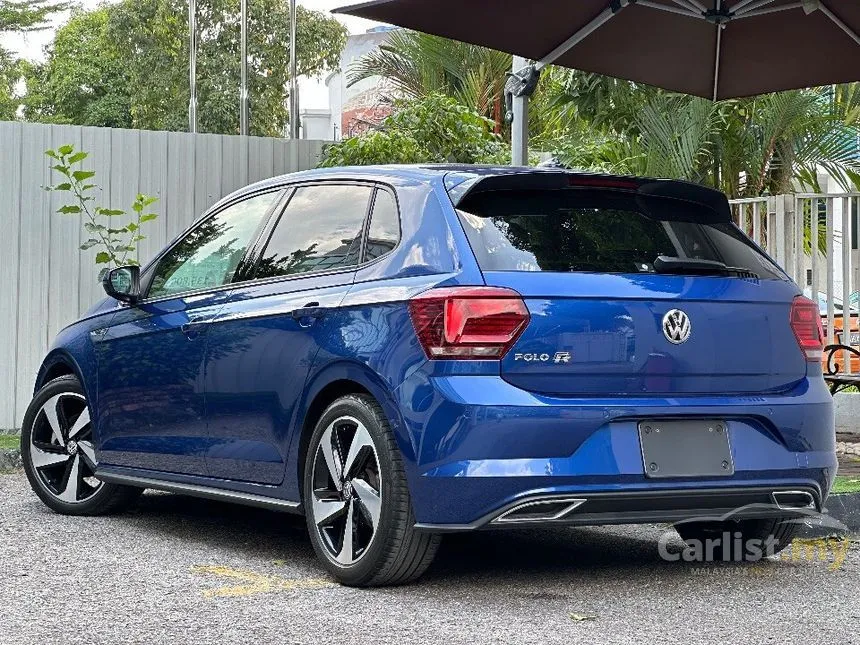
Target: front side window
x=210 y=254
x=320 y=230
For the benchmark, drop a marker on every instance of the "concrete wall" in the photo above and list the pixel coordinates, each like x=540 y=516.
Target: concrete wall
x=847 y=412
x=47 y=282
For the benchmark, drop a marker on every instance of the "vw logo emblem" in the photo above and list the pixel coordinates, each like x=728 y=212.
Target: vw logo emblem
x=676 y=326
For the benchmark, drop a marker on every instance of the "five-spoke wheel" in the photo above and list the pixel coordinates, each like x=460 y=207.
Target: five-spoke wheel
x=59 y=453
x=61 y=449
x=359 y=513
x=347 y=494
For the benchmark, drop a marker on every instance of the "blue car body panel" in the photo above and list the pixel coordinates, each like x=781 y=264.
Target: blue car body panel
x=214 y=389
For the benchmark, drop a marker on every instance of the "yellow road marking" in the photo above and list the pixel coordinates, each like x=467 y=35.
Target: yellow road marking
x=255 y=583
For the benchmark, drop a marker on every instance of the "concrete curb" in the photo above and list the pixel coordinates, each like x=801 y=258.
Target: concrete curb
x=10 y=459
x=845 y=507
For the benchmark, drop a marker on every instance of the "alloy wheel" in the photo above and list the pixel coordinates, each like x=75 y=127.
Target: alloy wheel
x=61 y=448
x=347 y=490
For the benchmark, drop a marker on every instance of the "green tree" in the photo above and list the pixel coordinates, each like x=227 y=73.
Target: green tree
x=84 y=79
x=10 y=73
x=20 y=16
x=153 y=37
x=434 y=128
x=29 y=15
x=418 y=65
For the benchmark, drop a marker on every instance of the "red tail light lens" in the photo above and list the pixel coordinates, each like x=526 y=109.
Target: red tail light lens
x=806 y=325
x=468 y=323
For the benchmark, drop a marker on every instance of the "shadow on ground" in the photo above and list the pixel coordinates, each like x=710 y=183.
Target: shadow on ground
x=490 y=556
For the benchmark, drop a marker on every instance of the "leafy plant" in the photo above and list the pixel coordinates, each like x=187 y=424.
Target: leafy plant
x=417 y=65
x=435 y=128
x=116 y=244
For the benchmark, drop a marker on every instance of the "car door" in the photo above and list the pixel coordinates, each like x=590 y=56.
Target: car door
x=264 y=340
x=150 y=381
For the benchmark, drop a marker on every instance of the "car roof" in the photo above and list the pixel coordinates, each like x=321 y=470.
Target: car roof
x=466 y=176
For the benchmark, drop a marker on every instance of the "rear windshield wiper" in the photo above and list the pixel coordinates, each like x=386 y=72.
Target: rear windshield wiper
x=692 y=266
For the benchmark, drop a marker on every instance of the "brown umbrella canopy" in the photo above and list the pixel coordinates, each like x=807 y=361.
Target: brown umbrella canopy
x=712 y=48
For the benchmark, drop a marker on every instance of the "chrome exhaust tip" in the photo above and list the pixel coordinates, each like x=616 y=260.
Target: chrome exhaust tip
x=790 y=500
x=540 y=510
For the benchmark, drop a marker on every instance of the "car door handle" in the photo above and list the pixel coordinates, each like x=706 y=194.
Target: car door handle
x=310 y=310
x=193 y=329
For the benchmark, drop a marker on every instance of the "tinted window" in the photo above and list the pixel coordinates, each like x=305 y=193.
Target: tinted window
x=384 y=230
x=209 y=255
x=320 y=230
x=586 y=230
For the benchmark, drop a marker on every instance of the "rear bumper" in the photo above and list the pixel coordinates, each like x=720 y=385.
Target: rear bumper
x=481 y=446
x=649 y=506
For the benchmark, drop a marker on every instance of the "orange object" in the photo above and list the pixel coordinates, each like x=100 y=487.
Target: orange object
x=839 y=338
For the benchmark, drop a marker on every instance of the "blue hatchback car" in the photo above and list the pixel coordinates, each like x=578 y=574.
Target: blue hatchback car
x=400 y=352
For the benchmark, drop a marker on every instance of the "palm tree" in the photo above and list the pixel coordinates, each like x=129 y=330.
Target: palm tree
x=418 y=65
x=746 y=147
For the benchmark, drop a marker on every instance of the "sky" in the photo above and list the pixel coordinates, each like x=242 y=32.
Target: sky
x=312 y=92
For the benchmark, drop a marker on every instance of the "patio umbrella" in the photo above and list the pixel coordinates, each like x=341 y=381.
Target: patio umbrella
x=716 y=49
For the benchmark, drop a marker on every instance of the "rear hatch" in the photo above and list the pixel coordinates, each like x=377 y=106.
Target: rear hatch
x=633 y=287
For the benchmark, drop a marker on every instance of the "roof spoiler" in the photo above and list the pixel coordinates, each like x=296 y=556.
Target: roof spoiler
x=470 y=186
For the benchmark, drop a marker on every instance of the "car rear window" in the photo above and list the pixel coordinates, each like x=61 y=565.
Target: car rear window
x=578 y=230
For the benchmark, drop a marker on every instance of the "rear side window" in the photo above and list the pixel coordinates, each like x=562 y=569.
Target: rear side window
x=578 y=230
x=320 y=230
x=384 y=233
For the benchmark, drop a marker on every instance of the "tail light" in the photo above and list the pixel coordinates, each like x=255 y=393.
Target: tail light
x=806 y=325
x=468 y=323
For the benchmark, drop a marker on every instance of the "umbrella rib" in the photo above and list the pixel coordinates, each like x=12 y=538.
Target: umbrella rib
x=717 y=61
x=662 y=7
x=750 y=5
x=766 y=10
x=601 y=19
x=698 y=5
x=838 y=21
x=687 y=4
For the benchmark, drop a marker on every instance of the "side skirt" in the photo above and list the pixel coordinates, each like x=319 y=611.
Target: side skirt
x=208 y=492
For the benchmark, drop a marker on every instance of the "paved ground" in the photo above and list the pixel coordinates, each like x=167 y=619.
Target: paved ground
x=188 y=571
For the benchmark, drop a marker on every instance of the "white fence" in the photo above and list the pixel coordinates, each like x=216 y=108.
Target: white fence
x=45 y=280
x=814 y=238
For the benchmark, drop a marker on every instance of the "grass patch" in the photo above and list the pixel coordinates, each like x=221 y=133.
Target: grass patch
x=846 y=484
x=8 y=441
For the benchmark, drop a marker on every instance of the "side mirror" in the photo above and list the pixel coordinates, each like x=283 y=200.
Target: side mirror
x=123 y=283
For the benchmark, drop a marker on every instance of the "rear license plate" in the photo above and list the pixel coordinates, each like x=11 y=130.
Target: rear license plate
x=855 y=338
x=689 y=448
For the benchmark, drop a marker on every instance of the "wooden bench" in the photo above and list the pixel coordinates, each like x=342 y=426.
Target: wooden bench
x=837 y=380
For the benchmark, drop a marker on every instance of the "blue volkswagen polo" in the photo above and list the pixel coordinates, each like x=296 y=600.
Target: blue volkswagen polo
x=400 y=352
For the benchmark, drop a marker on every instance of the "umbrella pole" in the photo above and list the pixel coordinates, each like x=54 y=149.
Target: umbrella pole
x=520 y=125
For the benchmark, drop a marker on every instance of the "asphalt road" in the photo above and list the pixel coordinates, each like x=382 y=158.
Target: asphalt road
x=180 y=570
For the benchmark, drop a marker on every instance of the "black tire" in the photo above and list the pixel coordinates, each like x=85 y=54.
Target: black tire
x=782 y=532
x=93 y=498
x=396 y=553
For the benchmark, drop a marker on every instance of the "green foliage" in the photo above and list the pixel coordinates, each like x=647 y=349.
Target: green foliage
x=153 y=38
x=418 y=65
x=126 y=65
x=116 y=243
x=432 y=129
x=374 y=147
x=747 y=147
x=28 y=15
x=84 y=80
x=10 y=73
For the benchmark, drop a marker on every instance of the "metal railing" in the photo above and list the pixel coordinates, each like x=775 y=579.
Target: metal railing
x=811 y=236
